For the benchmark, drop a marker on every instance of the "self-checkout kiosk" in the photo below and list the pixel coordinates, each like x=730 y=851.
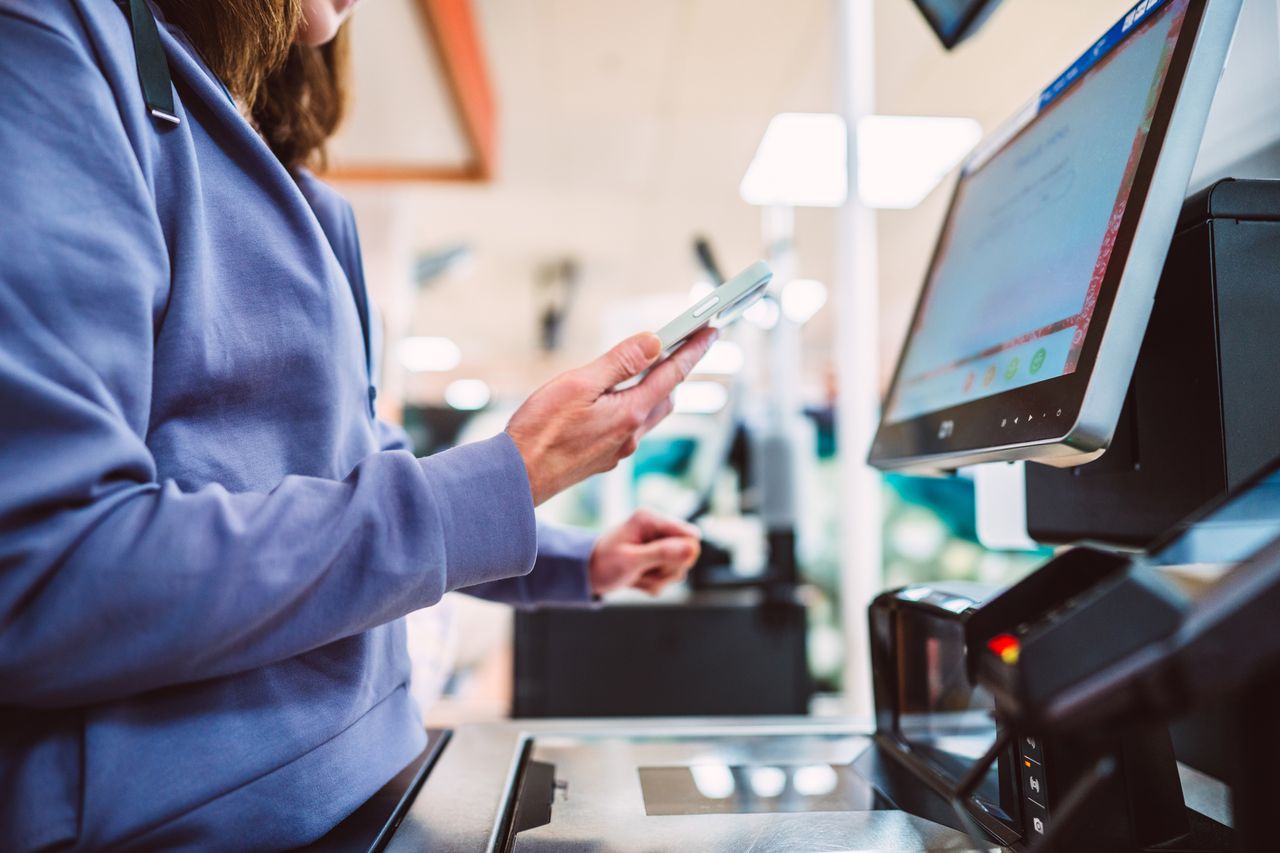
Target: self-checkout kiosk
x=1082 y=316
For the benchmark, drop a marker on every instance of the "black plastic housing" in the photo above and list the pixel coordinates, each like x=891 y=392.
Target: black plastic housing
x=1203 y=405
x=731 y=653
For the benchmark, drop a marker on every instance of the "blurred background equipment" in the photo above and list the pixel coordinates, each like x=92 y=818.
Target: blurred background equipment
x=953 y=21
x=734 y=644
x=558 y=285
x=696 y=655
x=435 y=264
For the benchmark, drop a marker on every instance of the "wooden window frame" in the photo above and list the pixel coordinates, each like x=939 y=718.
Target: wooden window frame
x=452 y=33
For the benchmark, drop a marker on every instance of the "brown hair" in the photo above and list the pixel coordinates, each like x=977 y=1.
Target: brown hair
x=294 y=94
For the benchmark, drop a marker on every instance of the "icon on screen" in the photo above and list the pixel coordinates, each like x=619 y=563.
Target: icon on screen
x=989 y=376
x=1037 y=360
x=1012 y=370
x=969 y=380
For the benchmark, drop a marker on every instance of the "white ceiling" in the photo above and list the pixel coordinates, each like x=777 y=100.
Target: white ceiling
x=624 y=129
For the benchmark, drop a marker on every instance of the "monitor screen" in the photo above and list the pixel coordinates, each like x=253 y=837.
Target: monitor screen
x=1032 y=251
x=1019 y=267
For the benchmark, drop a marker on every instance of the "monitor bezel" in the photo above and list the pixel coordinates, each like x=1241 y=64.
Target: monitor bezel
x=1070 y=419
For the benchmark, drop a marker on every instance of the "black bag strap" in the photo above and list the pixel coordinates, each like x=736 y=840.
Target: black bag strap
x=153 y=65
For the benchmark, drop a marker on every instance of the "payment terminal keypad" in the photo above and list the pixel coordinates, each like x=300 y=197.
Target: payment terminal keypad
x=1035 y=791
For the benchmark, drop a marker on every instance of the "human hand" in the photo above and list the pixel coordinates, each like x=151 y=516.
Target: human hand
x=648 y=552
x=577 y=425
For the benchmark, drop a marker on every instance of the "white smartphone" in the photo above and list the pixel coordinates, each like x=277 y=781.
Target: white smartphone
x=718 y=309
x=721 y=307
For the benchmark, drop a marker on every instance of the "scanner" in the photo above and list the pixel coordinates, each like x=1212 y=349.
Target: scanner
x=1098 y=653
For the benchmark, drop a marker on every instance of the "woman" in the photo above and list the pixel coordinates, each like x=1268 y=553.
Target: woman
x=207 y=540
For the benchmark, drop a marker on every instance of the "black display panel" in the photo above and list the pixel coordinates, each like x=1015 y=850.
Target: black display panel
x=955 y=20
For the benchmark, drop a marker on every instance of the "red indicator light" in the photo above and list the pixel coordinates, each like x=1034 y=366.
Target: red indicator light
x=1006 y=646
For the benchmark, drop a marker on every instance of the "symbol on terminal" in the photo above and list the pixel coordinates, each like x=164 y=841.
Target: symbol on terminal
x=1035 y=784
x=1038 y=824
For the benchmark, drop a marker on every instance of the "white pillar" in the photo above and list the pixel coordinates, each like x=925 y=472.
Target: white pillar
x=857 y=358
x=778 y=443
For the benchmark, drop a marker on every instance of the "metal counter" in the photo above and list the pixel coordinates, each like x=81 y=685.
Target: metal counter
x=625 y=786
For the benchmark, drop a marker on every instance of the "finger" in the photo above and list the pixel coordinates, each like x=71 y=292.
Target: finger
x=627 y=359
x=657 y=414
x=652 y=525
x=651 y=584
x=664 y=378
x=656 y=580
x=668 y=574
x=669 y=554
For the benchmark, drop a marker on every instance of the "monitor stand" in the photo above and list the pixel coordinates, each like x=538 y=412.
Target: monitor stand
x=1204 y=401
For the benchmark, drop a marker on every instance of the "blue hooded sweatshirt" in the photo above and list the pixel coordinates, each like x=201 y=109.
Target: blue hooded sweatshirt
x=206 y=538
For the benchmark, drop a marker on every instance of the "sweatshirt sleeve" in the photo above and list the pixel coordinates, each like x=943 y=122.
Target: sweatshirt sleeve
x=392 y=437
x=112 y=580
x=559 y=576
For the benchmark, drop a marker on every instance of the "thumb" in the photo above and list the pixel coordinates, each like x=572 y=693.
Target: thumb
x=624 y=361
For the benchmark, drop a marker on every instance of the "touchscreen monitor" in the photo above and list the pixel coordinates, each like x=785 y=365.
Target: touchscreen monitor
x=1034 y=307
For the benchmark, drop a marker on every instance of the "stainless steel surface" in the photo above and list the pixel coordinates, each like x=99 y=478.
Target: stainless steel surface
x=828 y=831
x=602 y=808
